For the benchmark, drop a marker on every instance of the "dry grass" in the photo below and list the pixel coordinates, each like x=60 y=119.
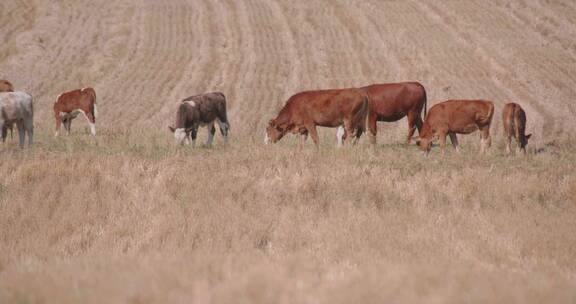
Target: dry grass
x=130 y=218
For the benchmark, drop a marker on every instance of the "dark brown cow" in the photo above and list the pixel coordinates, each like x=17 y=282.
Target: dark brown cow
x=392 y=101
x=6 y=86
x=326 y=108
x=68 y=105
x=457 y=117
x=514 y=122
x=197 y=111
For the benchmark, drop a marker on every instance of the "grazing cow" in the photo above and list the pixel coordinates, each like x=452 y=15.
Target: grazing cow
x=326 y=108
x=514 y=122
x=69 y=104
x=6 y=86
x=16 y=107
x=390 y=102
x=457 y=117
x=197 y=111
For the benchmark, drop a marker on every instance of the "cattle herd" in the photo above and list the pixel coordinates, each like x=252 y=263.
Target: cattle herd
x=350 y=110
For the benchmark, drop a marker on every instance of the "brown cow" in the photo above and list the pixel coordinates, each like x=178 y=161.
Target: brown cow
x=326 y=108
x=6 y=86
x=390 y=102
x=514 y=122
x=457 y=117
x=197 y=111
x=68 y=105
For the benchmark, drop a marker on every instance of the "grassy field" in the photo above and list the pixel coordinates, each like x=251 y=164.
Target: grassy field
x=128 y=217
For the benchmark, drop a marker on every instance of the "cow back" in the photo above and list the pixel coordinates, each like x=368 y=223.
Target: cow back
x=16 y=105
x=205 y=108
x=80 y=99
x=460 y=116
x=391 y=101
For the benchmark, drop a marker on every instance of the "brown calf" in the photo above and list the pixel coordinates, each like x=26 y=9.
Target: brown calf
x=70 y=104
x=514 y=122
x=326 y=108
x=457 y=117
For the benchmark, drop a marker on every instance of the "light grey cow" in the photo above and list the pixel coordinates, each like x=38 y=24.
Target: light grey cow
x=16 y=107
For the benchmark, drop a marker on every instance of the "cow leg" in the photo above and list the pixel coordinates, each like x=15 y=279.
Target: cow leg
x=520 y=148
x=68 y=125
x=340 y=133
x=314 y=134
x=411 y=126
x=442 y=137
x=454 y=141
x=3 y=126
x=359 y=133
x=211 y=131
x=4 y=133
x=508 y=144
x=193 y=134
x=302 y=141
x=350 y=131
x=419 y=122
x=373 y=127
x=21 y=133
x=29 y=125
x=92 y=122
x=224 y=129
x=485 y=140
x=58 y=123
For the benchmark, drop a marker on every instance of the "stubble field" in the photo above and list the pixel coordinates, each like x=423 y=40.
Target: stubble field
x=128 y=217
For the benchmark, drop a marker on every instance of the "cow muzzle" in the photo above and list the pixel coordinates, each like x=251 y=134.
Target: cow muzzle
x=180 y=136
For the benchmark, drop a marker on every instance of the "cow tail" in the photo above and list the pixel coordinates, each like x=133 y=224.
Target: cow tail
x=225 y=113
x=93 y=94
x=490 y=113
x=516 y=117
x=425 y=102
x=366 y=111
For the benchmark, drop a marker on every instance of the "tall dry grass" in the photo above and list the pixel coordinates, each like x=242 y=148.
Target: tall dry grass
x=129 y=218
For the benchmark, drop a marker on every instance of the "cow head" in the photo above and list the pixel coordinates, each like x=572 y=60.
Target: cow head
x=524 y=141
x=180 y=134
x=274 y=132
x=424 y=143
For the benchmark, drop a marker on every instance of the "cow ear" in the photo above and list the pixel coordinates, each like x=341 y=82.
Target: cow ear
x=171 y=129
x=189 y=129
x=528 y=136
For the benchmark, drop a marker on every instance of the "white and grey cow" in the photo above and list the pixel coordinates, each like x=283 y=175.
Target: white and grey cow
x=17 y=108
x=197 y=111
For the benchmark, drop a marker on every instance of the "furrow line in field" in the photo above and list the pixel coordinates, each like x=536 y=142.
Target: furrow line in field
x=501 y=78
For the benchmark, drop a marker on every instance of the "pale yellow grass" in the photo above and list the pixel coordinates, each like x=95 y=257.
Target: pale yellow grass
x=130 y=218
